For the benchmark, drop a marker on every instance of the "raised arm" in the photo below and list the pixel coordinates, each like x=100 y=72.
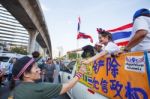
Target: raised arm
x=67 y=86
x=89 y=60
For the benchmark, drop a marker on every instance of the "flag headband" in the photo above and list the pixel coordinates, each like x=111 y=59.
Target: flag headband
x=24 y=68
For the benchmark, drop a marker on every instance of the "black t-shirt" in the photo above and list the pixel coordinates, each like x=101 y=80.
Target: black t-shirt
x=88 y=51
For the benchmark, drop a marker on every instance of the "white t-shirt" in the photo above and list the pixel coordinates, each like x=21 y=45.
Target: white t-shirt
x=111 y=48
x=142 y=22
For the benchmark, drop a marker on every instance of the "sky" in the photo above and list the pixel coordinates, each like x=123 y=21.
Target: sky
x=61 y=17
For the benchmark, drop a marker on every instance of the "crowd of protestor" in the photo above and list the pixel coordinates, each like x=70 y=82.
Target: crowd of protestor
x=6 y=73
x=50 y=69
x=34 y=73
x=38 y=74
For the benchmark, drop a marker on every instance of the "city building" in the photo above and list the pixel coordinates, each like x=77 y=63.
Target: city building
x=12 y=33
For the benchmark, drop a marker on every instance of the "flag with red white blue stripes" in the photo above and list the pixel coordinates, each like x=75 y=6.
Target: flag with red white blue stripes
x=122 y=34
x=82 y=35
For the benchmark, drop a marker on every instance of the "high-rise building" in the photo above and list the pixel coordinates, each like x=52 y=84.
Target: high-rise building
x=12 y=33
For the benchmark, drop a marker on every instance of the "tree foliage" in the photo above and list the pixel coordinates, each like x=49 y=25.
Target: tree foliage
x=19 y=50
x=73 y=55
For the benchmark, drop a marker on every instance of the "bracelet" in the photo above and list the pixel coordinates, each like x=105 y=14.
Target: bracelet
x=78 y=75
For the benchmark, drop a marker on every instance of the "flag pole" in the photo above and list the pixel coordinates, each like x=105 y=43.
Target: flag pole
x=77 y=45
x=78 y=30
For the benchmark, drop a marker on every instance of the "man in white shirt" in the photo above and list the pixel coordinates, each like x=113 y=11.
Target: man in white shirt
x=140 y=40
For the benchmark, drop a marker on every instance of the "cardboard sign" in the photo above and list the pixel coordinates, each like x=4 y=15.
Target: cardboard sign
x=122 y=77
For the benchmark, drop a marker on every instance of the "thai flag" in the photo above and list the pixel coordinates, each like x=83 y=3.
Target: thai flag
x=90 y=80
x=122 y=35
x=81 y=34
x=84 y=36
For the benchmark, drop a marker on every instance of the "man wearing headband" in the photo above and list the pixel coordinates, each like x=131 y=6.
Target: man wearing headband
x=27 y=71
x=140 y=40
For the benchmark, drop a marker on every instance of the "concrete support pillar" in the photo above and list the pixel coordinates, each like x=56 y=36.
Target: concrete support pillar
x=45 y=50
x=32 y=40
